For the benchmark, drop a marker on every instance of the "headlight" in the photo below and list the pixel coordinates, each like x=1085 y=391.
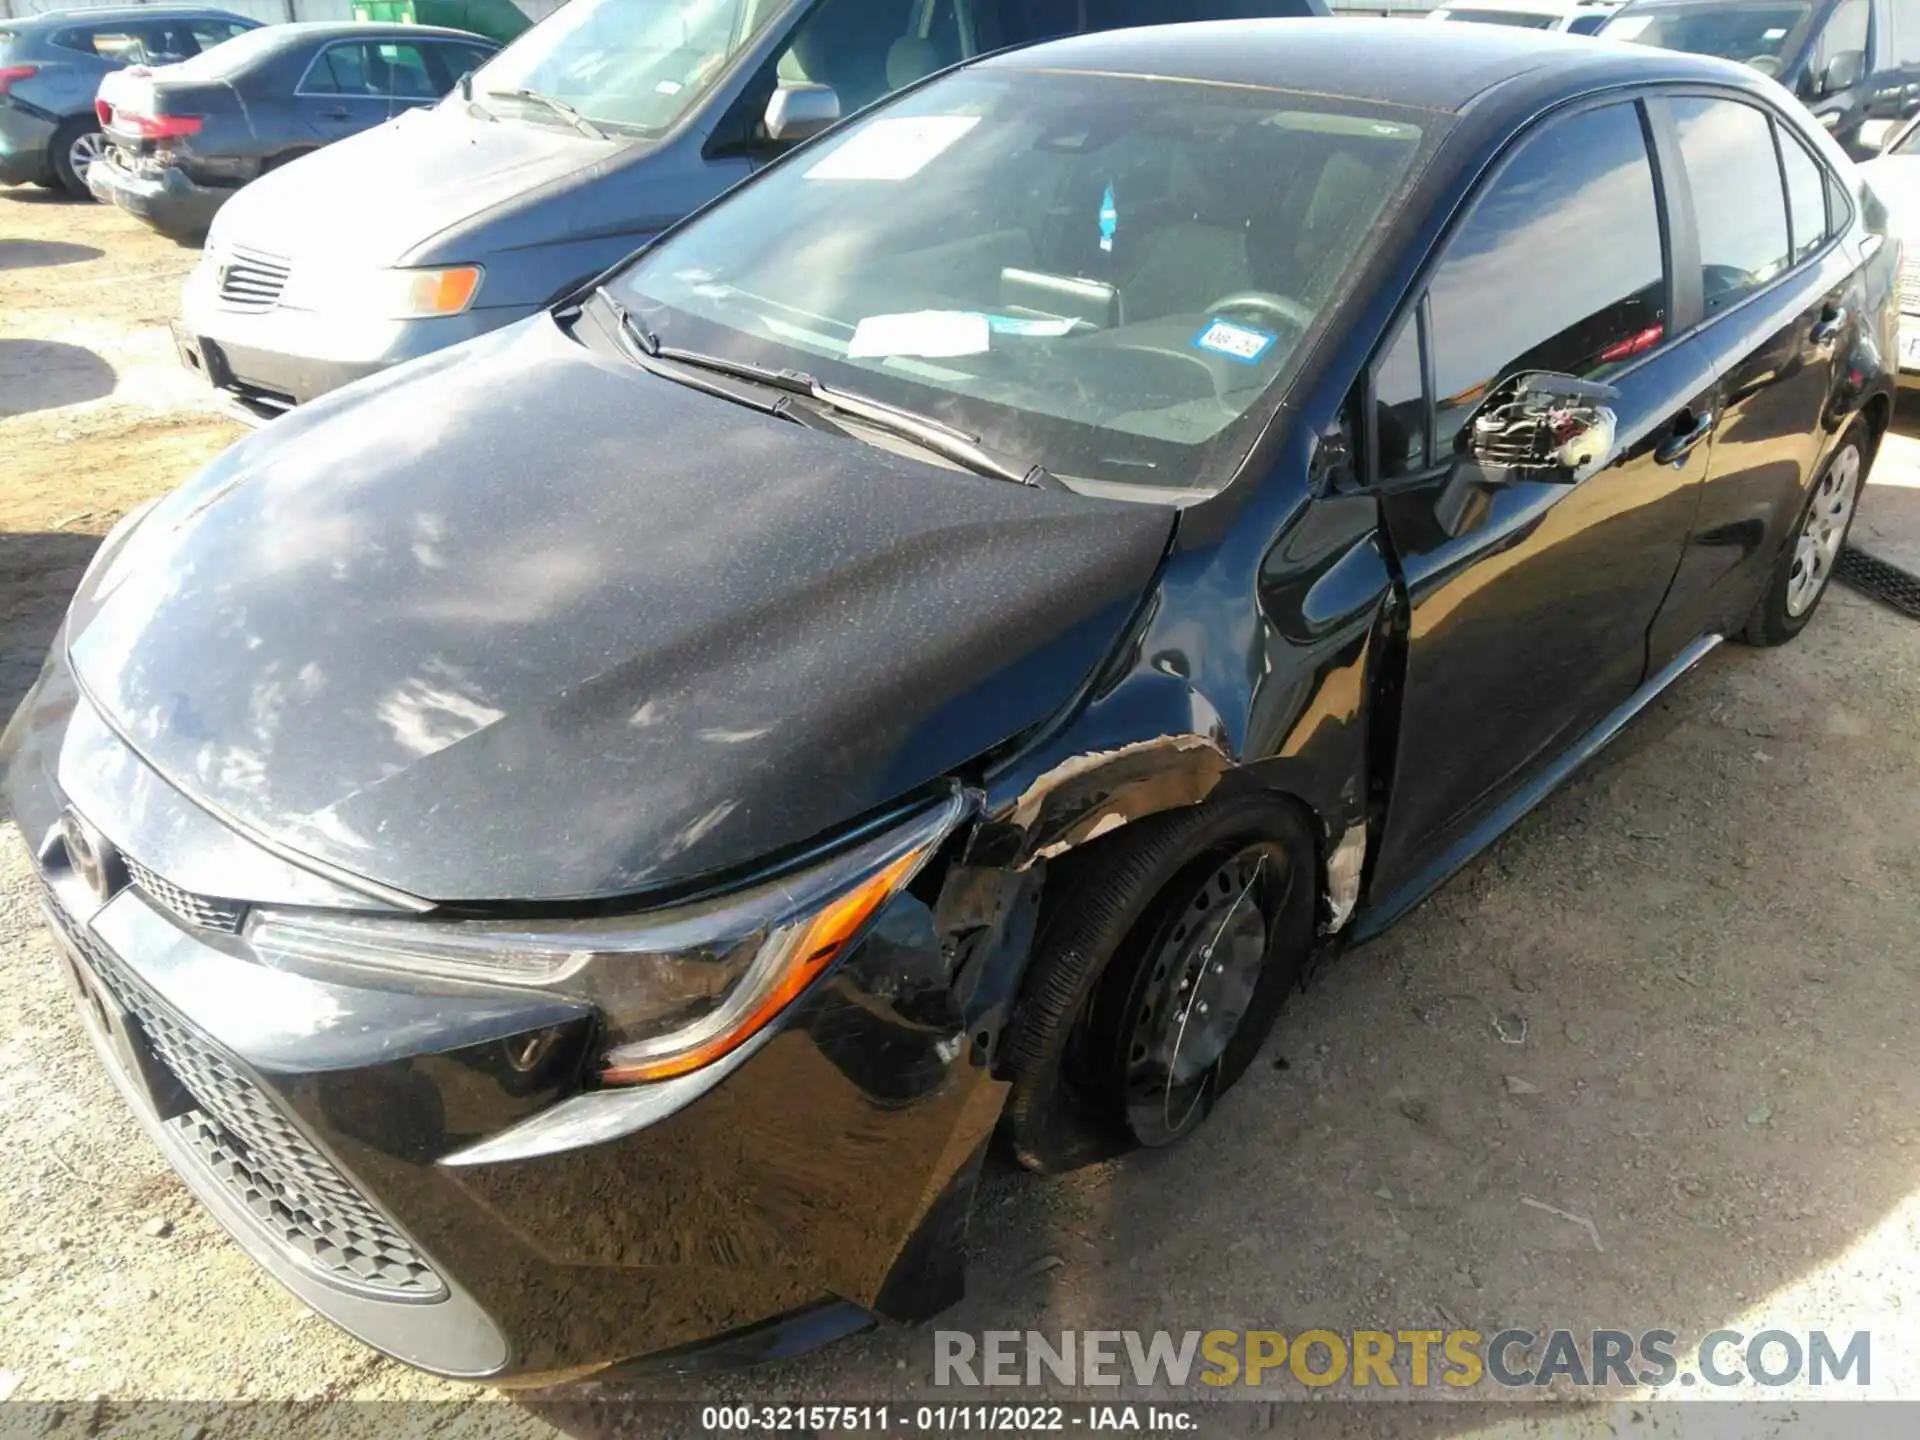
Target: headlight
x=678 y=988
x=381 y=294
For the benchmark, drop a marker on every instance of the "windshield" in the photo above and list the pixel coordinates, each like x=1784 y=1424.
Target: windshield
x=626 y=65
x=217 y=62
x=1760 y=35
x=1098 y=274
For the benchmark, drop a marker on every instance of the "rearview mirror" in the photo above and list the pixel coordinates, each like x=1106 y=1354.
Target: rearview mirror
x=1843 y=72
x=1539 y=425
x=799 y=112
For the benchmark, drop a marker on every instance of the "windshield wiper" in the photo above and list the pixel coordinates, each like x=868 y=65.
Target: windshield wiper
x=559 y=107
x=923 y=430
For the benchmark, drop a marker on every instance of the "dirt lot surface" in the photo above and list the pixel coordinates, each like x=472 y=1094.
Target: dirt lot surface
x=1678 y=1002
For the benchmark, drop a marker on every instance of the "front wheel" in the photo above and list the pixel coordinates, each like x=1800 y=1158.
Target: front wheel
x=1164 y=957
x=1805 y=567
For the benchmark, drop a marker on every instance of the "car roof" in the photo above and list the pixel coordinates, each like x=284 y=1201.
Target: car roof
x=119 y=14
x=1404 y=62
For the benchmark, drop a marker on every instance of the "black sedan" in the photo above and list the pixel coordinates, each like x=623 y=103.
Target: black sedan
x=183 y=138
x=575 y=846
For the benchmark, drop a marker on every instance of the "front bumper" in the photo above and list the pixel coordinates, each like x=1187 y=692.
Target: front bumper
x=24 y=136
x=364 y=1143
x=160 y=195
x=286 y=356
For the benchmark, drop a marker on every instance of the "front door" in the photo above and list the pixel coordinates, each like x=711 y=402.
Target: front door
x=1531 y=601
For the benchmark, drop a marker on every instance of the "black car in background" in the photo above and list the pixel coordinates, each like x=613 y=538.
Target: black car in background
x=574 y=846
x=51 y=65
x=184 y=137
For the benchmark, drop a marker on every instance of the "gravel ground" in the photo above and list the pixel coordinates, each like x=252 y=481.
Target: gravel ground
x=1703 y=947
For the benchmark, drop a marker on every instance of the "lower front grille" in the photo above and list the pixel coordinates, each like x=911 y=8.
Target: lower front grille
x=245 y=1141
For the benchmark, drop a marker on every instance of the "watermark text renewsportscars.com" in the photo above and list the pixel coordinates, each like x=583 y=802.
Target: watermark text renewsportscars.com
x=1382 y=1360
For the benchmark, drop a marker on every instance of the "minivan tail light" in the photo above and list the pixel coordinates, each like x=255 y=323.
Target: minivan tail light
x=11 y=73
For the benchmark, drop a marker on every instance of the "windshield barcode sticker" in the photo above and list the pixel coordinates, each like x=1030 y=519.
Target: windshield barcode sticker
x=896 y=148
x=1236 y=342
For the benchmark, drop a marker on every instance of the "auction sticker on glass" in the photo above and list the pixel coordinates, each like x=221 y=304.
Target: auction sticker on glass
x=1237 y=342
x=896 y=149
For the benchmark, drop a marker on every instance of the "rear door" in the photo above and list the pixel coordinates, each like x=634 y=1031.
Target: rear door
x=1782 y=310
x=344 y=90
x=1531 y=601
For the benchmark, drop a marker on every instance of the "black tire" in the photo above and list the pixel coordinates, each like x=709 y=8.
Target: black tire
x=60 y=154
x=1774 y=621
x=1108 y=913
x=48 y=182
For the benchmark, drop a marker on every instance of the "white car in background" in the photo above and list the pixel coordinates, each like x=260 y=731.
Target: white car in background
x=1895 y=177
x=1581 y=17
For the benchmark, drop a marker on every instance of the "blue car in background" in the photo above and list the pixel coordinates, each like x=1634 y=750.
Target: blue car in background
x=51 y=65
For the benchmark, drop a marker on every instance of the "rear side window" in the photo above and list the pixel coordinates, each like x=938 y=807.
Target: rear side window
x=1738 y=204
x=1558 y=266
x=370 y=68
x=209 y=33
x=1806 y=195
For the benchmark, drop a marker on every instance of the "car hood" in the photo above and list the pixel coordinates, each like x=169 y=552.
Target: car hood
x=519 y=621
x=1896 y=180
x=372 y=198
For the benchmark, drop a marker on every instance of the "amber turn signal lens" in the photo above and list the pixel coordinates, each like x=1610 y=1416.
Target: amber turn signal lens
x=445 y=292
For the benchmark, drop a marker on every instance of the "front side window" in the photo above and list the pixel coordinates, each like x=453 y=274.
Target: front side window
x=1738 y=205
x=1400 y=406
x=1806 y=195
x=862 y=48
x=1558 y=266
x=631 y=66
x=1761 y=35
x=1073 y=267
x=1845 y=34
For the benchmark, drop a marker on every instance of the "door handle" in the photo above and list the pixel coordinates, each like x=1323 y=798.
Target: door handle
x=1832 y=322
x=1687 y=433
x=335 y=115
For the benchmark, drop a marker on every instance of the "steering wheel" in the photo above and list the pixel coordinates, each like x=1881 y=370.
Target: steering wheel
x=1264 y=302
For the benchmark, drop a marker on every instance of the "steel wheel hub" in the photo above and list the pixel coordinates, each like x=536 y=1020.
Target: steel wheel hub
x=1198 y=987
x=1818 y=545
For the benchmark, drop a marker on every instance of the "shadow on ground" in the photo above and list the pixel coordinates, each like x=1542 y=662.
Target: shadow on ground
x=40 y=195
x=31 y=254
x=46 y=374
x=38 y=573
